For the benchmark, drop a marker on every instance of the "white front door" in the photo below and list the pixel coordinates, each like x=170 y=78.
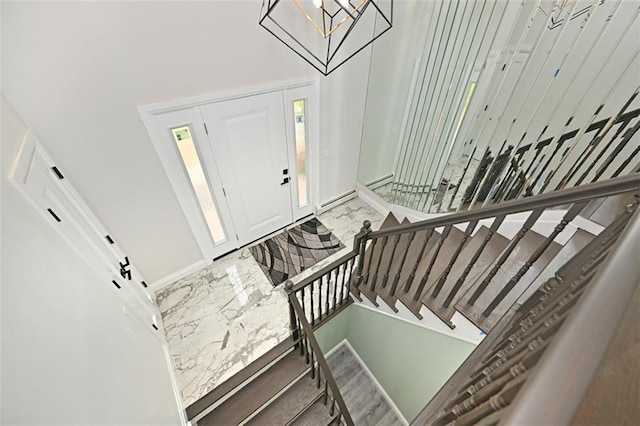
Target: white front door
x=249 y=143
x=242 y=165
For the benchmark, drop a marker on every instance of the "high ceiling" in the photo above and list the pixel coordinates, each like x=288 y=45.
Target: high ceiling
x=76 y=71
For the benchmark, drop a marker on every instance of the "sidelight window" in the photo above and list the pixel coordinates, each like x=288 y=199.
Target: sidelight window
x=189 y=155
x=300 y=133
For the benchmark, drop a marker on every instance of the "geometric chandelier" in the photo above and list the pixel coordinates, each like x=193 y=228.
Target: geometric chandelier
x=326 y=33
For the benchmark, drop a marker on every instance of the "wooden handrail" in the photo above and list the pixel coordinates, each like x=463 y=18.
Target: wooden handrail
x=615 y=186
x=322 y=362
x=578 y=349
x=609 y=187
x=553 y=344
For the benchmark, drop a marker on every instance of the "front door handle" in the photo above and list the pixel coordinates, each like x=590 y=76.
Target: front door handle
x=284 y=181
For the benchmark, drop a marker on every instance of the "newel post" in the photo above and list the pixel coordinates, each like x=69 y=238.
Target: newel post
x=359 y=245
x=293 y=320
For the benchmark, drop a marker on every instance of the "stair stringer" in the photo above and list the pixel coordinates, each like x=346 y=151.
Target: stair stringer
x=465 y=330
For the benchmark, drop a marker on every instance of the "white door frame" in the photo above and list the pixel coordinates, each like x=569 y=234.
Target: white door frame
x=182 y=185
x=312 y=152
x=150 y=115
x=247 y=137
x=36 y=177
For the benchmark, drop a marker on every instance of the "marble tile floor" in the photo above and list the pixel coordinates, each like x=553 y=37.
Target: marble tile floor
x=221 y=318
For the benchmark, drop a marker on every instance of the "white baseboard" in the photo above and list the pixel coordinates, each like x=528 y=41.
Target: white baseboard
x=413 y=215
x=429 y=322
x=373 y=199
x=375 y=381
x=176 y=388
x=384 y=207
x=328 y=205
x=334 y=349
x=170 y=279
x=379 y=182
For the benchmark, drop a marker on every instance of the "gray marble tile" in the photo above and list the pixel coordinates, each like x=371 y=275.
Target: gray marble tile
x=223 y=317
x=220 y=319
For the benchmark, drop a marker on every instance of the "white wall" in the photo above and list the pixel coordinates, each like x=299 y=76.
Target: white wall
x=76 y=72
x=392 y=66
x=69 y=354
x=342 y=100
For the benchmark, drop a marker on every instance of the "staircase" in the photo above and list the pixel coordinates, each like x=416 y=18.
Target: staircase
x=449 y=273
x=505 y=267
x=474 y=262
x=285 y=386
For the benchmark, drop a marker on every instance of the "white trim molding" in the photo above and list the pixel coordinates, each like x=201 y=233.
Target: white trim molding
x=158 y=117
x=172 y=278
x=343 y=198
x=375 y=381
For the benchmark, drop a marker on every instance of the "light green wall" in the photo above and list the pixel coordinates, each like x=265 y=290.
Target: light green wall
x=410 y=362
x=334 y=331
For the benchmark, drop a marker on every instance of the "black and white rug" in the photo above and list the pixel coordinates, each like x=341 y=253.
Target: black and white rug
x=293 y=250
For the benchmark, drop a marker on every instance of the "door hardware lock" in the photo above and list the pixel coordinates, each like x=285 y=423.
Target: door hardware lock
x=285 y=171
x=284 y=181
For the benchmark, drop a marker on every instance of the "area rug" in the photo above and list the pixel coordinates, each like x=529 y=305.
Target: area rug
x=293 y=250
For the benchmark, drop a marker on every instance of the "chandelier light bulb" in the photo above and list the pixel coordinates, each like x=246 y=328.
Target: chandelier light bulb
x=317 y=3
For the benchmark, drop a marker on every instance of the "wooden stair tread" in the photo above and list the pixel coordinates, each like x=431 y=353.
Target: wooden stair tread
x=365 y=285
x=531 y=282
x=389 y=221
x=242 y=376
x=412 y=258
x=454 y=239
x=288 y=406
x=490 y=252
x=395 y=269
x=251 y=397
x=520 y=254
x=386 y=260
x=576 y=243
x=317 y=414
x=366 y=291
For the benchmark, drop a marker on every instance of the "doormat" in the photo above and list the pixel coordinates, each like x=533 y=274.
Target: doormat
x=293 y=250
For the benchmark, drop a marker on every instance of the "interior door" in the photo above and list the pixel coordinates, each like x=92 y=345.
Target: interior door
x=50 y=192
x=248 y=140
